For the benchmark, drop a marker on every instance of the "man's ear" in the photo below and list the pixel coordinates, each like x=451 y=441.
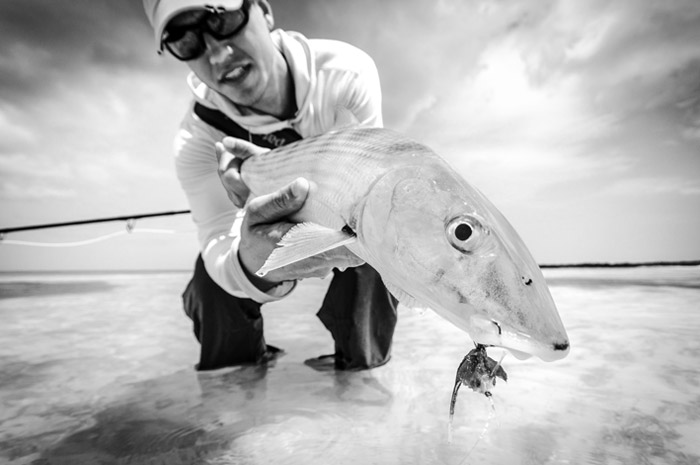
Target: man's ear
x=267 y=13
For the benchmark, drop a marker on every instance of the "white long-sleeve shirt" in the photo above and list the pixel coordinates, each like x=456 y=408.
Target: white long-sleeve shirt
x=336 y=85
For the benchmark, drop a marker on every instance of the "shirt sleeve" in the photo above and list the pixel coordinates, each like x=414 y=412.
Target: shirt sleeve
x=217 y=220
x=361 y=91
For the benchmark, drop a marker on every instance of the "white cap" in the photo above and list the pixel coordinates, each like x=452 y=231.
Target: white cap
x=159 y=12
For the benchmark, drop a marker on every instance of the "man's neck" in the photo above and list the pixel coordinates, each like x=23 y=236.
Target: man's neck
x=279 y=99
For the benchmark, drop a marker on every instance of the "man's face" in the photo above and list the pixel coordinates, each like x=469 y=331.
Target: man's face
x=239 y=67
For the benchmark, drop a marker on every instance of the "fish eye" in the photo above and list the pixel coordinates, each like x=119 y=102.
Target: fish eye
x=464 y=232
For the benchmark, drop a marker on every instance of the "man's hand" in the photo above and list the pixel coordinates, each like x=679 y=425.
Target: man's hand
x=264 y=225
x=231 y=152
x=265 y=221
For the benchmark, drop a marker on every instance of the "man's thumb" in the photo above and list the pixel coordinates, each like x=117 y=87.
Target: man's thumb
x=279 y=204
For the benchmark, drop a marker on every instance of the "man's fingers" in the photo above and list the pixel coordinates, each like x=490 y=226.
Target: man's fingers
x=230 y=154
x=278 y=205
x=228 y=161
x=241 y=148
x=230 y=175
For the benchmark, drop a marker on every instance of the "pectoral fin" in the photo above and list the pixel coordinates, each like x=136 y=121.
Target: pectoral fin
x=303 y=241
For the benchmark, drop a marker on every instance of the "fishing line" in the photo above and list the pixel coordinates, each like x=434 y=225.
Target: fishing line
x=492 y=415
x=493 y=372
x=487 y=424
x=129 y=230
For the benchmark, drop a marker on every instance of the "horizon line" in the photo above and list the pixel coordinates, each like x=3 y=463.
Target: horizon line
x=544 y=266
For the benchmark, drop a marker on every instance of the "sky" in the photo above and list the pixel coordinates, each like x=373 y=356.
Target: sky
x=579 y=120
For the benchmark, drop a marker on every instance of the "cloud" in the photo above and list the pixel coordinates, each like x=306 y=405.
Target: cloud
x=34 y=175
x=630 y=56
x=11 y=133
x=86 y=106
x=654 y=186
x=554 y=95
x=618 y=57
x=46 y=44
x=421 y=48
x=25 y=177
x=547 y=105
x=103 y=147
x=534 y=100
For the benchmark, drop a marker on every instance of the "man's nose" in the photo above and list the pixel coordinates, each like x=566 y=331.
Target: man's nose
x=218 y=50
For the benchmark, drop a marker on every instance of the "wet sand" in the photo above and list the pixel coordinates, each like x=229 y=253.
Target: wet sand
x=98 y=369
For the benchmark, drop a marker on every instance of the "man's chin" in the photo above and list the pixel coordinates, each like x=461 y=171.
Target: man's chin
x=243 y=92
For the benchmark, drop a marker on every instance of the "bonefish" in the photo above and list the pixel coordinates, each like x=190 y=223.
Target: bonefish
x=436 y=241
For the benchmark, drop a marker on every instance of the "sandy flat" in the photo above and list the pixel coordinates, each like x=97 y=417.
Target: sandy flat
x=99 y=369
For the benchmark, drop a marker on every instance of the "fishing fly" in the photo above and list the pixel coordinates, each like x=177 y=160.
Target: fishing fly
x=479 y=372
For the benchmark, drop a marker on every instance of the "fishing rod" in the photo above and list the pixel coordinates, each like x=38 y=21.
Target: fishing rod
x=129 y=218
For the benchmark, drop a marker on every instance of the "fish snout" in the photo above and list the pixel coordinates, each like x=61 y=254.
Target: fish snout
x=562 y=346
x=522 y=345
x=558 y=351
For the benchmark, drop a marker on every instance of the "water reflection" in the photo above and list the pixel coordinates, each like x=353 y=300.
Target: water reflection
x=35 y=289
x=118 y=387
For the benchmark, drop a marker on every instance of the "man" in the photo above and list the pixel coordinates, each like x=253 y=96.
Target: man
x=270 y=87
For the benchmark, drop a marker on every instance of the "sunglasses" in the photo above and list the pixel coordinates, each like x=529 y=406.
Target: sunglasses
x=186 y=42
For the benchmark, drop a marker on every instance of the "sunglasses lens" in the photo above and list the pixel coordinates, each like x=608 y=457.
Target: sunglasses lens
x=185 y=45
x=226 y=24
x=185 y=41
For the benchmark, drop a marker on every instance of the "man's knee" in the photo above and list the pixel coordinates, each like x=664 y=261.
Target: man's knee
x=228 y=328
x=361 y=315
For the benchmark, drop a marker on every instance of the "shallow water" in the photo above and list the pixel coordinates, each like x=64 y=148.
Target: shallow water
x=98 y=369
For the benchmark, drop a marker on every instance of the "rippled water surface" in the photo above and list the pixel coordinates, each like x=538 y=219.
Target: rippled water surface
x=98 y=369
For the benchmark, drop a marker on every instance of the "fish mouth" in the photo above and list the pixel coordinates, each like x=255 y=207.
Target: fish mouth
x=521 y=345
x=523 y=349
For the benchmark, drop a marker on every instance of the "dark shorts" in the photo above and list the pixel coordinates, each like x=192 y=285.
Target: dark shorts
x=358 y=311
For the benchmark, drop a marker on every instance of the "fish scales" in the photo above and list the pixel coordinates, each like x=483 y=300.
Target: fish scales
x=341 y=167
x=432 y=236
